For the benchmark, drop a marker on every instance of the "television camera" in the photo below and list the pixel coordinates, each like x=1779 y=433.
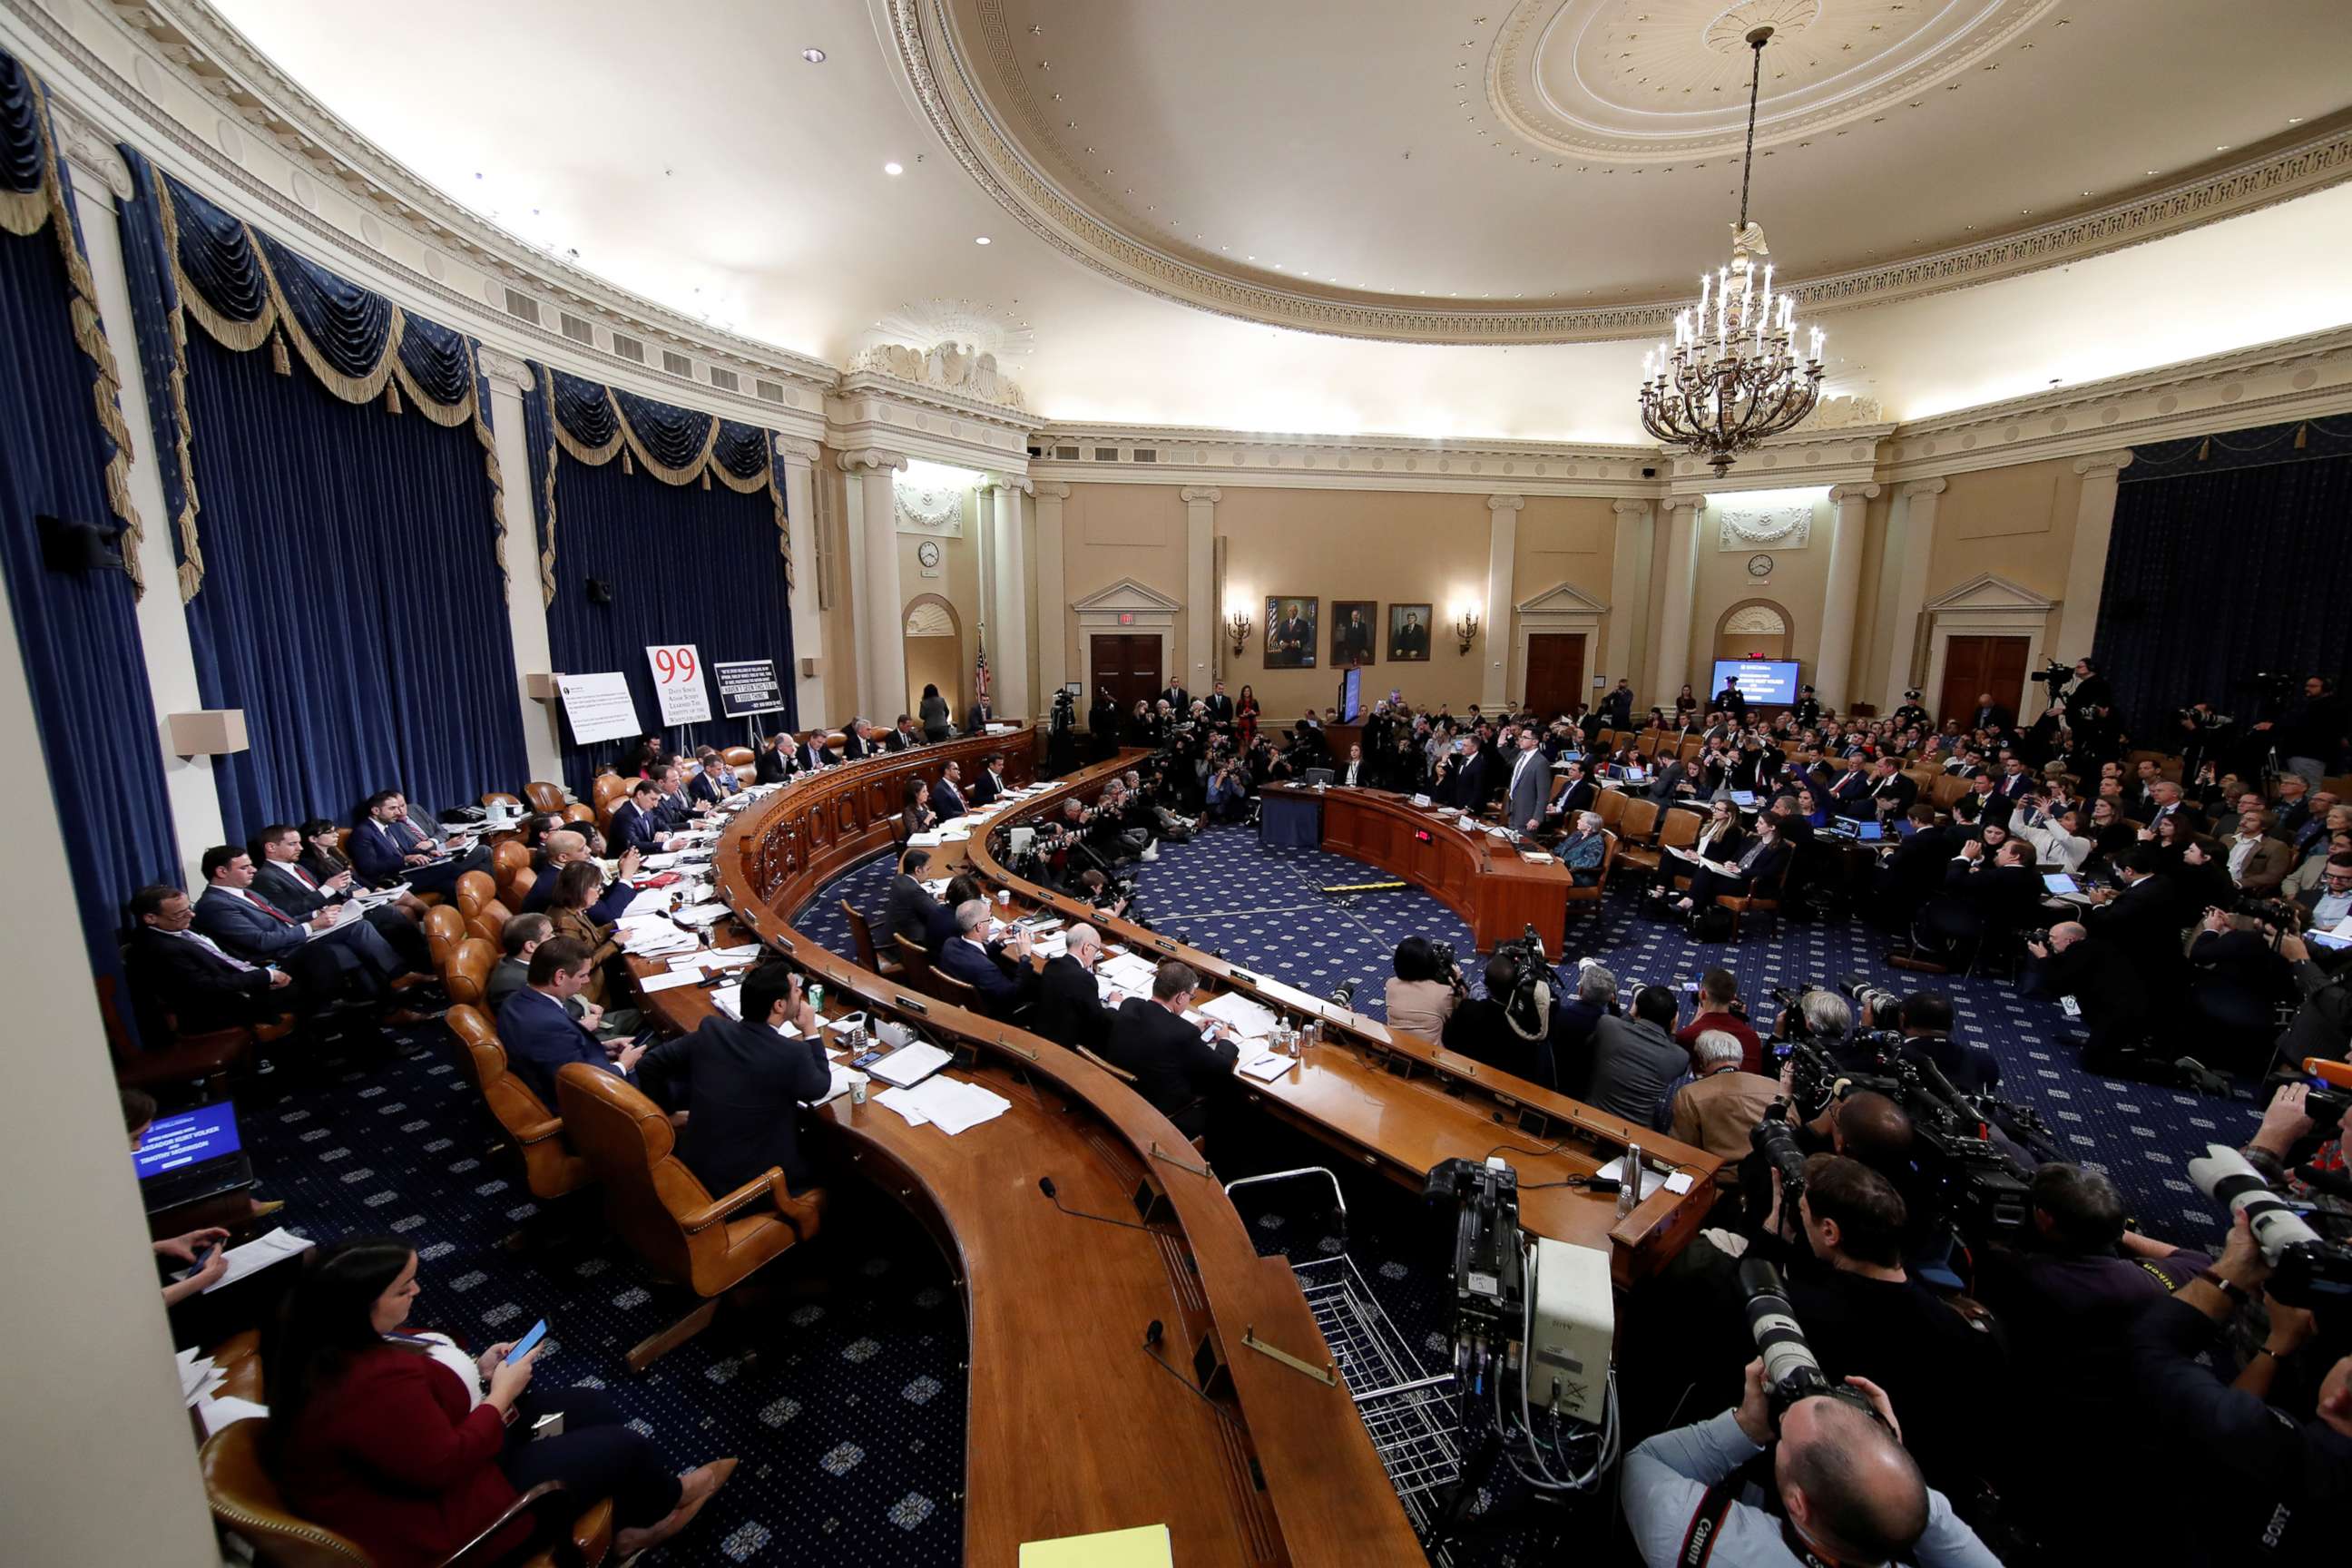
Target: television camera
x=2307 y=1269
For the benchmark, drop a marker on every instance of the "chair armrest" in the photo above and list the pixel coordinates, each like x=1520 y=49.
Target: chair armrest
x=539 y=1132
x=550 y=1506
x=704 y=1218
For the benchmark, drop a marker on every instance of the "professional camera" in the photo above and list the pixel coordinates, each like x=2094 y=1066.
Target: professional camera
x=1777 y=1140
x=1791 y=1372
x=2306 y=1270
x=1066 y=710
x=2279 y=914
x=2054 y=675
x=1528 y=1009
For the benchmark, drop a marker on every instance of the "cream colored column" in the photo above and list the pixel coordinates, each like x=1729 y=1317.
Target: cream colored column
x=99 y=1469
x=2086 y=563
x=1053 y=597
x=1674 y=608
x=1833 y=670
x=808 y=625
x=100 y=179
x=881 y=607
x=521 y=497
x=1911 y=539
x=1630 y=548
x=1502 y=553
x=1008 y=616
x=1199 y=586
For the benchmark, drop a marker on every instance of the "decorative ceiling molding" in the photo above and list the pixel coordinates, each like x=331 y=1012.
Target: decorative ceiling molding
x=943 y=82
x=937 y=512
x=1191 y=455
x=1743 y=526
x=1754 y=620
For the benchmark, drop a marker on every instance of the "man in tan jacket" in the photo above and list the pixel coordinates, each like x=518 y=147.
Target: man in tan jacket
x=1716 y=1110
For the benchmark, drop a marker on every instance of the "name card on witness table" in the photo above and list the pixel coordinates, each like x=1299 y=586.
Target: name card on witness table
x=1145 y=1546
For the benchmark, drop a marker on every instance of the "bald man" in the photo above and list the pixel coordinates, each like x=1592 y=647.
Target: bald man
x=2106 y=988
x=564 y=847
x=1848 y=1492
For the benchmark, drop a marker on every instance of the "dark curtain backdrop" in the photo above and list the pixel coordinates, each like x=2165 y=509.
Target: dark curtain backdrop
x=2231 y=555
x=77 y=632
x=351 y=600
x=687 y=565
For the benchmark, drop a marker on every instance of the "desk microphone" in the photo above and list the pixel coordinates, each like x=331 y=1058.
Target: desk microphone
x=1152 y=1334
x=1045 y=1185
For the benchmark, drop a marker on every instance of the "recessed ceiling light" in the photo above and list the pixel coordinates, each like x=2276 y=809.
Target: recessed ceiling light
x=2222 y=148
x=813 y=57
x=981 y=241
x=2294 y=120
x=894 y=168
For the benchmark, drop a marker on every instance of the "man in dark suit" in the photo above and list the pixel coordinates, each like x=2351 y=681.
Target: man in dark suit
x=1892 y=792
x=537 y=1030
x=946 y=799
x=859 y=741
x=2140 y=919
x=989 y=787
x=328 y=954
x=999 y=972
x=1732 y=700
x=979 y=716
x=1530 y=781
x=386 y=848
x=909 y=912
x=716 y=782
x=1849 y=793
x=904 y=738
x=1910 y=875
x=176 y=974
x=637 y=823
x=1412 y=639
x=741 y=1083
x=1617 y=708
x=1991 y=715
x=278 y=876
x=1579 y=796
x=1926 y=1023
x=1070 y=1009
x=2105 y=986
x=1354 y=640
x=1180 y=1073
x=811 y=753
x=564 y=847
x=1220 y=706
x=1179 y=700
x=1991 y=806
x=676 y=809
x=1984 y=895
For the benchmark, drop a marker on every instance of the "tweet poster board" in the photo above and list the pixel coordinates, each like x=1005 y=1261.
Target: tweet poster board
x=598 y=707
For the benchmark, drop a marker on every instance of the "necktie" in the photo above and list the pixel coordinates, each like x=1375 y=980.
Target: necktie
x=267 y=907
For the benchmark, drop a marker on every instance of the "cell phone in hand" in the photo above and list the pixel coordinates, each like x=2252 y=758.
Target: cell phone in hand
x=528 y=1343
x=205 y=1255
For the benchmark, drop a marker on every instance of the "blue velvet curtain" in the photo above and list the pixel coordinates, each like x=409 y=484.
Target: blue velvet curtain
x=687 y=564
x=352 y=602
x=2228 y=553
x=78 y=631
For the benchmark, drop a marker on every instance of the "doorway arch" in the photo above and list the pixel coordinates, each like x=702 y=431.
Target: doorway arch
x=933 y=634
x=1757 y=628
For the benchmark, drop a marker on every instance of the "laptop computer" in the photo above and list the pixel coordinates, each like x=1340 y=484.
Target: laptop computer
x=1869 y=832
x=1744 y=798
x=1319 y=776
x=191 y=1154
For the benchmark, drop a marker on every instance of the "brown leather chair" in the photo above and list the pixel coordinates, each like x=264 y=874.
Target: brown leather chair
x=478 y=902
x=1948 y=788
x=549 y=1167
x=1679 y=831
x=508 y=858
x=444 y=928
x=1610 y=804
x=500 y=797
x=544 y=797
x=861 y=937
x=745 y=762
x=1591 y=895
x=206 y=1060
x=1763 y=899
x=914 y=963
x=958 y=992
x=662 y=1209
x=245 y=1498
x=516 y=888
x=467 y=976
x=577 y=812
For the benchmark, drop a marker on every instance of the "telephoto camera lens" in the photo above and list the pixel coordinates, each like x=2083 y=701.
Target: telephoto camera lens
x=2224 y=1176
x=1790 y=1369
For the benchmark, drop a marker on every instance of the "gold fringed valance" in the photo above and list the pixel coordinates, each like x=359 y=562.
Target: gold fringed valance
x=22 y=213
x=276 y=325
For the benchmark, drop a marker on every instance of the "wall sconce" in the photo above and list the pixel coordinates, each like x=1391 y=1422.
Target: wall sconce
x=1465 y=627
x=1237 y=627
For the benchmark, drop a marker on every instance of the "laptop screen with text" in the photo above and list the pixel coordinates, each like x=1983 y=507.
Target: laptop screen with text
x=187 y=1138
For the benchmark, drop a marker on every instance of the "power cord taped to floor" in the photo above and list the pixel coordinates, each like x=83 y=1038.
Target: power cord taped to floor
x=1365 y=887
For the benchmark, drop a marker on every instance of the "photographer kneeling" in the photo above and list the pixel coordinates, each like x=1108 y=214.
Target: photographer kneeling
x=1843 y=1491
x=2068 y=961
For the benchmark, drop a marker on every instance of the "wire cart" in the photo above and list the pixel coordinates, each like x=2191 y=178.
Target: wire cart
x=1409 y=1412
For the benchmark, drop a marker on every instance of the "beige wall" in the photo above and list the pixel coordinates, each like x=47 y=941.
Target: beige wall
x=1108 y=532
x=1569 y=539
x=1799 y=579
x=839 y=642
x=949 y=667
x=2016 y=523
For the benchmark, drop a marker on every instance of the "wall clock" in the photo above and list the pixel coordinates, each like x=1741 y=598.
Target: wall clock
x=1760 y=566
x=929 y=552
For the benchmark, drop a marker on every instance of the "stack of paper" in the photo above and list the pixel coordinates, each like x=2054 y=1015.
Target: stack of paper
x=951 y=1104
x=653 y=901
x=741 y=957
x=653 y=984
x=259 y=1254
x=909 y=1065
x=700 y=914
x=1129 y=971
x=728 y=999
x=653 y=936
x=930 y=841
x=198 y=1375
x=1250 y=1020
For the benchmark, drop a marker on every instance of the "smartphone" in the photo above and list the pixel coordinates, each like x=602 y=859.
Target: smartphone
x=528 y=1343
x=205 y=1255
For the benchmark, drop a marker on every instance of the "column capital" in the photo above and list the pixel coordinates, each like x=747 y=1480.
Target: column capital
x=89 y=152
x=1196 y=495
x=1006 y=482
x=1506 y=503
x=506 y=373
x=1686 y=503
x=1925 y=487
x=798 y=451
x=1051 y=489
x=876 y=458
x=1840 y=494
x=1630 y=506
x=2104 y=462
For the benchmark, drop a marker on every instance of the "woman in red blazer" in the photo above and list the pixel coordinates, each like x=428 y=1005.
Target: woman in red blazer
x=393 y=1440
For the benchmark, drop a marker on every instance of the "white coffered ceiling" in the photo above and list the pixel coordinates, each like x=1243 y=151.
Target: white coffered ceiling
x=2004 y=191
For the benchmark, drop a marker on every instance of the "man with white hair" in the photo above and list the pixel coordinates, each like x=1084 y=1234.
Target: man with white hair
x=1716 y=1109
x=1071 y=1009
x=999 y=972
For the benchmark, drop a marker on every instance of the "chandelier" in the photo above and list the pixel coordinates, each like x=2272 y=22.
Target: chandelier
x=1733 y=375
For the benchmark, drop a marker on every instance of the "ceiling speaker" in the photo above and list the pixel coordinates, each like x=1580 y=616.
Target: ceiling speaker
x=600 y=592
x=78 y=548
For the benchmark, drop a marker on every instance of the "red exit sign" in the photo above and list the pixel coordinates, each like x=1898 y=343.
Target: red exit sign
x=1126 y=619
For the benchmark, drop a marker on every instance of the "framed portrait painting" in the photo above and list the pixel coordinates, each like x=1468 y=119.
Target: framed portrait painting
x=1352 y=624
x=1409 y=633
x=1290 y=631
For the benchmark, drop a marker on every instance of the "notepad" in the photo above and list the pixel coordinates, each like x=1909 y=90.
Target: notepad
x=259 y=1254
x=1250 y=1020
x=652 y=983
x=1145 y=1546
x=909 y=1065
x=1265 y=1068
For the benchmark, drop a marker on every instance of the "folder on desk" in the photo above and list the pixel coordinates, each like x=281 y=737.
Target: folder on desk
x=1145 y=1546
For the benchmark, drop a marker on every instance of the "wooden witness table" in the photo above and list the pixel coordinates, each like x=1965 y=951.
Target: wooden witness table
x=1070 y=1427
x=1477 y=875
x=1399 y=1104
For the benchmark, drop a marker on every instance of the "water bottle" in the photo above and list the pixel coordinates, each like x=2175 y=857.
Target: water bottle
x=1629 y=1183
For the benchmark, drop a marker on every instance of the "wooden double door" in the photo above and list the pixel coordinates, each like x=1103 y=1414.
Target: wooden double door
x=1126 y=665
x=1555 y=672
x=1976 y=665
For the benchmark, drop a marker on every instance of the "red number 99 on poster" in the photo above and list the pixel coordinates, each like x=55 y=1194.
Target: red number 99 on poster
x=674 y=664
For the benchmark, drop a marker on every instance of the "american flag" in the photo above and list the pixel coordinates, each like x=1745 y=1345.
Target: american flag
x=980 y=675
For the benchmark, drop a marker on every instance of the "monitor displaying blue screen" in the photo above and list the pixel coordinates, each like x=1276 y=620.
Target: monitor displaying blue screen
x=186 y=1137
x=1351 y=697
x=1765 y=682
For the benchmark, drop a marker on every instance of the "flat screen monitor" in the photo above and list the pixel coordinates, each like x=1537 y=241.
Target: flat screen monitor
x=187 y=1138
x=2058 y=882
x=1351 y=697
x=1765 y=682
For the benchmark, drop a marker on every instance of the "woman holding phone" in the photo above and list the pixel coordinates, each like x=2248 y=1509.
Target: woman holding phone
x=412 y=1448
